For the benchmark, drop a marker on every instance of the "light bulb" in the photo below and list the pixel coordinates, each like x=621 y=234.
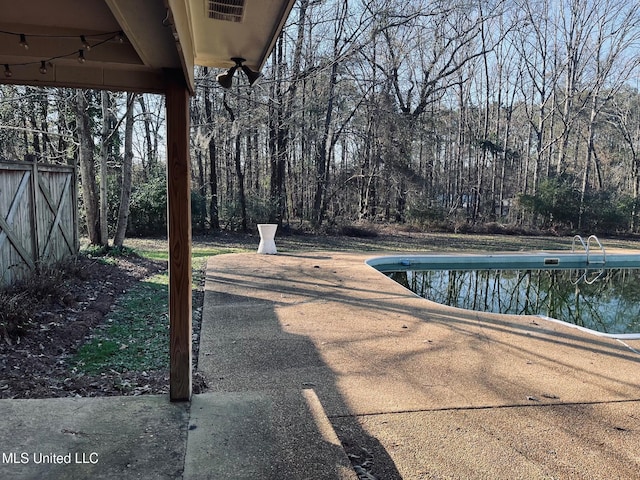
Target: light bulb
x=23 y=42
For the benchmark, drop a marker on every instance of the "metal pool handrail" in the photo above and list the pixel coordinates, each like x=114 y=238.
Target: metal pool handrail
x=604 y=253
x=587 y=247
x=573 y=243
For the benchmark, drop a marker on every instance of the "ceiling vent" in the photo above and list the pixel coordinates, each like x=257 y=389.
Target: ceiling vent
x=226 y=10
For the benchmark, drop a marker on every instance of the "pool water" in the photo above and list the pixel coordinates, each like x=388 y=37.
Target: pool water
x=603 y=300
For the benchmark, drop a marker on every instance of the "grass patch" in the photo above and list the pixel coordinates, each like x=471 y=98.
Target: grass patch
x=154 y=254
x=196 y=252
x=135 y=336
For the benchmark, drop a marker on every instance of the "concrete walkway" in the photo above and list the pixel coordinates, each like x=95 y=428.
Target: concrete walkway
x=315 y=362
x=92 y=438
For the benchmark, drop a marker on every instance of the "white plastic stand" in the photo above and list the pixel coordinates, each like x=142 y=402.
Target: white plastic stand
x=267 y=235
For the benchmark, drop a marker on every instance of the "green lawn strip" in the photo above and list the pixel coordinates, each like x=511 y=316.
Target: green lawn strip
x=196 y=252
x=135 y=336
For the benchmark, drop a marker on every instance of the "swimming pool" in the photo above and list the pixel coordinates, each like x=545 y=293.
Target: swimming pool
x=584 y=292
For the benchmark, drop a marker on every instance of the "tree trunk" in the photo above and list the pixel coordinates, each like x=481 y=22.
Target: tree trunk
x=277 y=139
x=323 y=154
x=240 y=175
x=214 y=219
x=104 y=156
x=151 y=151
x=127 y=166
x=87 y=169
x=237 y=160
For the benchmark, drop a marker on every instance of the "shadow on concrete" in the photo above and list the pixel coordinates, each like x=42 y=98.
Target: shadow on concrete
x=279 y=392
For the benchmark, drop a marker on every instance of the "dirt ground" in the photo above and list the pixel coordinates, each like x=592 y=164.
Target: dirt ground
x=34 y=363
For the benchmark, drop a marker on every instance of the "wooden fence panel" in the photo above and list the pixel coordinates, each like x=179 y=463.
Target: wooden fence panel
x=38 y=217
x=16 y=235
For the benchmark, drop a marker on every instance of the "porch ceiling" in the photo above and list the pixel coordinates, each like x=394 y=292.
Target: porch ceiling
x=157 y=35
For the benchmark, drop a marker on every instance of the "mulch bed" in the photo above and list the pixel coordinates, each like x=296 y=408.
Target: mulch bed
x=34 y=360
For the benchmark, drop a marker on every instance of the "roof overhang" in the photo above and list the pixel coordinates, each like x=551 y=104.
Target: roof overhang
x=157 y=35
x=248 y=30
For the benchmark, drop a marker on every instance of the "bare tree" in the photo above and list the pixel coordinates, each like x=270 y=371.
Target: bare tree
x=236 y=155
x=87 y=169
x=614 y=33
x=624 y=116
x=214 y=218
x=103 y=173
x=127 y=174
x=538 y=55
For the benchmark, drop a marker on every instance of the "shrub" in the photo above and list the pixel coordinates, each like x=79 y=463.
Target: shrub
x=556 y=202
x=606 y=212
x=421 y=213
x=19 y=302
x=357 y=231
x=198 y=211
x=16 y=313
x=148 y=209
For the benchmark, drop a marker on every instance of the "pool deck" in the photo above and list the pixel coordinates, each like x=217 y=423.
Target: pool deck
x=429 y=391
x=311 y=357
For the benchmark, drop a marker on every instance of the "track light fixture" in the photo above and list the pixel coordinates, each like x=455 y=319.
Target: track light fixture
x=225 y=79
x=251 y=75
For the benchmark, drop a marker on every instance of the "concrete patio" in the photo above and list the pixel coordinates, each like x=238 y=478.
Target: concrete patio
x=315 y=361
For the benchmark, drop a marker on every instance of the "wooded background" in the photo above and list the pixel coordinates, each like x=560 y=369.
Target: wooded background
x=456 y=114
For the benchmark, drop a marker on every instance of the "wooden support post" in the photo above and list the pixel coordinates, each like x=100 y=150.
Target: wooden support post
x=179 y=218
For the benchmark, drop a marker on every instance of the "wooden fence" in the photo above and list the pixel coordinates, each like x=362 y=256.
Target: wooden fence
x=38 y=217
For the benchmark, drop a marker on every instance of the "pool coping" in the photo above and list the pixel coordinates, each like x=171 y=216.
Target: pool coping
x=473 y=260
